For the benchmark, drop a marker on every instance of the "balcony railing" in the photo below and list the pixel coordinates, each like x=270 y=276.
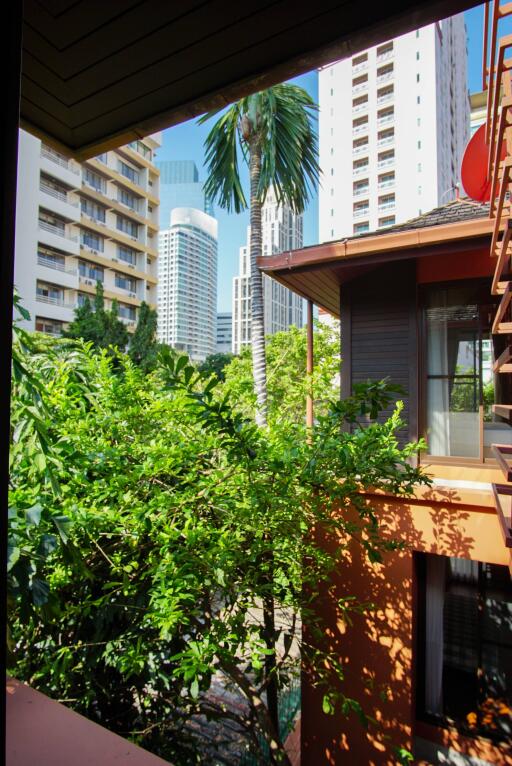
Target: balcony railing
x=53 y=229
x=360 y=171
x=361 y=212
x=364 y=190
x=381 y=57
x=386 y=184
x=360 y=129
x=386 y=163
x=359 y=67
x=382 y=78
x=54 y=301
x=60 y=195
x=363 y=149
x=387 y=206
x=54 y=156
x=360 y=108
x=385 y=120
x=385 y=141
x=56 y=265
x=385 y=98
x=360 y=88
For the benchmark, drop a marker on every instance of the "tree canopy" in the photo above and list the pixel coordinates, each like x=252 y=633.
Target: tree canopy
x=145 y=513
x=99 y=326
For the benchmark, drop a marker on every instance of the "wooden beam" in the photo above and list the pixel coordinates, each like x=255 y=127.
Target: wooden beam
x=499 y=451
x=506 y=531
x=309 y=366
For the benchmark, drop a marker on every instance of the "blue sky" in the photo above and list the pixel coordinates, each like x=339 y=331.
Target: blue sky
x=185 y=142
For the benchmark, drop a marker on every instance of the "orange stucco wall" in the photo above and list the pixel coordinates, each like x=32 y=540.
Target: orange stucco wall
x=378 y=649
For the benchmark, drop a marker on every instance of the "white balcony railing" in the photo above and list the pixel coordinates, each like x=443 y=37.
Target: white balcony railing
x=363 y=66
x=385 y=120
x=53 y=229
x=382 y=78
x=385 y=141
x=360 y=108
x=56 y=265
x=360 y=129
x=54 y=301
x=386 y=184
x=360 y=88
x=382 y=57
x=387 y=206
x=362 y=192
x=54 y=156
x=60 y=195
x=360 y=171
x=385 y=98
x=361 y=212
x=386 y=163
x=363 y=149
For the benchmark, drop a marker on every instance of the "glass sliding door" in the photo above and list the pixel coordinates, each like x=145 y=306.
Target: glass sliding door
x=453 y=366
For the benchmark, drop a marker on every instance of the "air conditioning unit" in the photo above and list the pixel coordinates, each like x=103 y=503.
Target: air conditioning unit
x=88 y=281
x=82 y=246
x=131 y=265
x=115 y=259
x=133 y=295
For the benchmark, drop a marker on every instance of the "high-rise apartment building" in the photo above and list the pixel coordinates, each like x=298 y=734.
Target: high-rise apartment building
x=224 y=332
x=281 y=230
x=180 y=187
x=394 y=122
x=187 y=289
x=77 y=224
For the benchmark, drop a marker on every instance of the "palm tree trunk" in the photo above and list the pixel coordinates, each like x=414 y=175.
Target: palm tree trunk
x=259 y=371
x=259 y=365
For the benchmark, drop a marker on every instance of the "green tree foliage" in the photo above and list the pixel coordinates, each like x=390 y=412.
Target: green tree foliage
x=216 y=364
x=158 y=520
x=288 y=384
x=143 y=344
x=98 y=326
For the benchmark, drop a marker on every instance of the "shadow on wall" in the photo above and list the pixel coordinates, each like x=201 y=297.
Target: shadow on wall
x=377 y=649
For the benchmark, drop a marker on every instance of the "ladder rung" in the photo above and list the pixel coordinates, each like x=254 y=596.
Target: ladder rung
x=504 y=328
x=503 y=411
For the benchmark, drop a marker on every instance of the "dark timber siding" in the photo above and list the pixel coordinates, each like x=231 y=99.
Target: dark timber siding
x=379 y=330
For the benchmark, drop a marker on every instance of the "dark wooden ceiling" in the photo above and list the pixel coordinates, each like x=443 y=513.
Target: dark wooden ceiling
x=99 y=73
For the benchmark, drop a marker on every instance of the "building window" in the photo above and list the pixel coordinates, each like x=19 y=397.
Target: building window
x=417 y=78
x=459 y=382
x=418 y=99
x=128 y=172
x=465 y=645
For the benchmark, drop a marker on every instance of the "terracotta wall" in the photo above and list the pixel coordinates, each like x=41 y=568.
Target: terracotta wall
x=378 y=649
x=468 y=264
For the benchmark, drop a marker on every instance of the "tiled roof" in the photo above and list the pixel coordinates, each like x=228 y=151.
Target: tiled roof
x=463 y=209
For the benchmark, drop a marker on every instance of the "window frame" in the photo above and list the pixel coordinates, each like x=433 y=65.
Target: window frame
x=483 y=284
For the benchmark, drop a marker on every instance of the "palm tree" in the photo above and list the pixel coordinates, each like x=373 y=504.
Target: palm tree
x=273 y=132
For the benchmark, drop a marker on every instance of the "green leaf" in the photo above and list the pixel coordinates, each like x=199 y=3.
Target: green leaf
x=63 y=525
x=13 y=554
x=33 y=514
x=40 y=591
x=194 y=689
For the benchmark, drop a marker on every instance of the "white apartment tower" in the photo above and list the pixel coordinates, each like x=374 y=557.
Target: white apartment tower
x=281 y=230
x=187 y=283
x=77 y=224
x=394 y=122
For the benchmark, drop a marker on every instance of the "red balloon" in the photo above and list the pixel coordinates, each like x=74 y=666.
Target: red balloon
x=474 y=167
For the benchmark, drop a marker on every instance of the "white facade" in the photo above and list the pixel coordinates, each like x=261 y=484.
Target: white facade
x=187 y=283
x=281 y=230
x=77 y=224
x=394 y=123
x=224 y=332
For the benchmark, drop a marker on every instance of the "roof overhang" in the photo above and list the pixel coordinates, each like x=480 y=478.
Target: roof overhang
x=99 y=74
x=317 y=272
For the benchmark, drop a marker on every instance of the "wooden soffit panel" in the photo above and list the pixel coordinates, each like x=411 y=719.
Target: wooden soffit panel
x=98 y=74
